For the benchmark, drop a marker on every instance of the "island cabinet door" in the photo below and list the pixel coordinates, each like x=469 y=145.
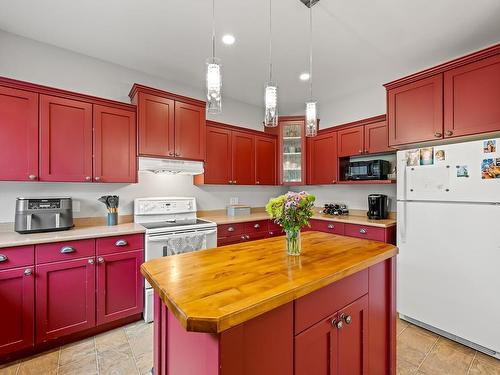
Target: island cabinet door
x=65 y=298
x=316 y=349
x=119 y=286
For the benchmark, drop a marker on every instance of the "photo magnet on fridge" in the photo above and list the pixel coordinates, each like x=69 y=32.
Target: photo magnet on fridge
x=490 y=146
x=440 y=155
x=489 y=170
x=427 y=156
x=462 y=171
x=412 y=158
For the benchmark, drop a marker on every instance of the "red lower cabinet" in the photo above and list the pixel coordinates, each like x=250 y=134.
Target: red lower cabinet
x=17 y=296
x=65 y=298
x=119 y=286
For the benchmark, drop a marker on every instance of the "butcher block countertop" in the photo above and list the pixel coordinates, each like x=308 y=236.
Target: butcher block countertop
x=355 y=217
x=84 y=228
x=216 y=289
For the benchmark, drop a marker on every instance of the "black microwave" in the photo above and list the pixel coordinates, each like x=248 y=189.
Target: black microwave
x=367 y=170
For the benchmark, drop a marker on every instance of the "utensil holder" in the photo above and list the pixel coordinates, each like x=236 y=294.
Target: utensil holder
x=112 y=218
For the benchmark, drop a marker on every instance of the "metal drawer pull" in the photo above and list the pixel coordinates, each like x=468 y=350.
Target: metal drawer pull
x=331 y=226
x=100 y=260
x=3 y=258
x=67 y=250
x=121 y=243
x=256 y=226
x=362 y=231
x=28 y=272
x=230 y=229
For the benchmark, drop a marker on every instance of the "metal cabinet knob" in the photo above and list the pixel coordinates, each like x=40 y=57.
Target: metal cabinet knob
x=331 y=226
x=100 y=260
x=32 y=177
x=230 y=229
x=67 y=250
x=91 y=261
x=449 y=132
x=347 y=318
x=97 y=178
x=247 y=237
x=438 y=134
x=121 y=243
x=257 y=182
x=28 y=272
x=360 y=151
x=243 y=237
x=256 y=226
x=176 y=154
x=88 y=178
x=362 y=231
x=271 y=233
x=170 y=154
x=337 y=323
x=3 y=258
x=234 y=181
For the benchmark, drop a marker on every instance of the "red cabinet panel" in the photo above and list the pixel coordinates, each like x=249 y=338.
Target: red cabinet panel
x=377 y=138
x=114 y=145
x=65 y=298
x=322 y=159
x=327 y=226
x=120 y=286
x=366 y=232
x=351 y=141
x=228 y=230
x=60 y=251
x=119 y=244
x=415 y=111
x=156 y=125
x=218 y=166
x=265 y=160
x=19 y=135
x=18 y=256
x=65 y=139
x=17 y=293
x=471 y=98
x=243 y=158
x=189 y=131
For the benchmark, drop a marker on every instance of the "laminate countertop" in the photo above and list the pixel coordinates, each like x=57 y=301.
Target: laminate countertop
x=216 y=289
x=358 y=217
x=10 y=238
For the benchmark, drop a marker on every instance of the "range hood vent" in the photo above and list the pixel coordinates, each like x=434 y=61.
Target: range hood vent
x=170 y=166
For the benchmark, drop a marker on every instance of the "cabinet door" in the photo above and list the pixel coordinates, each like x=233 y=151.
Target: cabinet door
x=471 y=98
x=292 y=152
x=218 y=166
x=17 y=293
x=316 y=350
x=322 y=159
x=352 y=351
x=415 y=111
x=120 y=286
x=351 y=141
x=114 y=145
x=65 y=298
x=243 y=158
x=156 y=125
x=265 y=161
x=189 y=131
x=65 y=140
x=19 y=139
x=377 y=138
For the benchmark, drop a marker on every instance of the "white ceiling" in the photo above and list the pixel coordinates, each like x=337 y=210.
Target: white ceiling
x=357 y=43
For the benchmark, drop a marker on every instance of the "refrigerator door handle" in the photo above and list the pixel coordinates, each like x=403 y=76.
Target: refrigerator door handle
x=402 y=227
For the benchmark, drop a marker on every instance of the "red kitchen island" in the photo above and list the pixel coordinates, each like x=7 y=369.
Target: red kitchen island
x=250 y=309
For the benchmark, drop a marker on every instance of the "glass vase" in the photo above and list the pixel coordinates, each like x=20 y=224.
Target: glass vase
x=293 y=244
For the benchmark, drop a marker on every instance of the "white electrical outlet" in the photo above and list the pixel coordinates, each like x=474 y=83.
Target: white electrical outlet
x=233 y=200
x=76 y=206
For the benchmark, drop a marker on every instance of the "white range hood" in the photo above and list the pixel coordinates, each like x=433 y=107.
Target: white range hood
x=170 y=166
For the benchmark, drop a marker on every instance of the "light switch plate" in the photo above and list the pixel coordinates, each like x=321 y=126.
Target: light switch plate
x=233 y=200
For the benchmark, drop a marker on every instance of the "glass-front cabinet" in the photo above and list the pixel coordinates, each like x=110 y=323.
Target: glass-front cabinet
x=292 y=142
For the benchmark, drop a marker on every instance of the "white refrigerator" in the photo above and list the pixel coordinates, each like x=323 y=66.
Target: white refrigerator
x=449 y=242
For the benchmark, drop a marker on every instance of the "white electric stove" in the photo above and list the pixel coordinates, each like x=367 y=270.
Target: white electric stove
x=172 y=227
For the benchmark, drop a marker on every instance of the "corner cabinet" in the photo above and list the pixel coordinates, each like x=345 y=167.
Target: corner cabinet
x=169 y=125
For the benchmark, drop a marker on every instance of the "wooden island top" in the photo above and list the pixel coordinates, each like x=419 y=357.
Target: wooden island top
x=216 y=289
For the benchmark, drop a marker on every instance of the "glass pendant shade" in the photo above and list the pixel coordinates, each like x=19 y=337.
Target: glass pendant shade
x=271 y=101
x=311 y=119
x=214 y=86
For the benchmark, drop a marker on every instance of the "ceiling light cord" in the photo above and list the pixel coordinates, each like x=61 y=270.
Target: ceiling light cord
x=213 y=29
x=270 y=41
x=310 y=50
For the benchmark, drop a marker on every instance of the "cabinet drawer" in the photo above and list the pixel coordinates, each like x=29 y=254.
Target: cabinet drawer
x=326 y=301
x=19 y=256
x=119 y=244
x=57 y=251
x=256 y=226
x=229 y=230
x=365 y=231
x=328 y=226
x=230 y=240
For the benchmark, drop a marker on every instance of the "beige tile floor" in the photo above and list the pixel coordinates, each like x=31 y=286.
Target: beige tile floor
x=129 y=351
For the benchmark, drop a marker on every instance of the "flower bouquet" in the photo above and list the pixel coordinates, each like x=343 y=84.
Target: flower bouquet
x=292 y=211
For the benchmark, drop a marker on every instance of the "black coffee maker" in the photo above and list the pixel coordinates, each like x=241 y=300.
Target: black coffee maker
x=378 y=206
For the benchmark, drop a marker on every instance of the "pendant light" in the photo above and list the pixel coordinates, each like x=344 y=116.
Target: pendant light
x=214 y=76
x=271 y=92
x=311 y=104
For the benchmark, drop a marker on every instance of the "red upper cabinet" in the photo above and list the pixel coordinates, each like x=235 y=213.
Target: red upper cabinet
x=218 y=166
x=377 y=138
x=243 y=150
x=170 y=125
x=351 y=141
x=19 y=135
x=265 y=160
x=114 y=145
x=156 y=125
x=472 y=98
x=415 y=111
x=322 y=159
x=65 y=140
x=65 y=298
x=189 y=131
